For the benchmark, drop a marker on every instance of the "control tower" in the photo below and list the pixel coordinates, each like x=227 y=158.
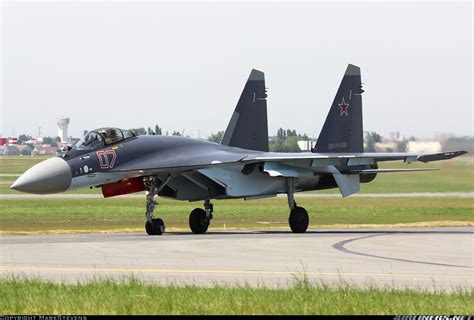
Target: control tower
x=62 y=128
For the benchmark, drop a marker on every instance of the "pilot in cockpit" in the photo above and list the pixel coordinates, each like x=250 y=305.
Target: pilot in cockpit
x=111 y=136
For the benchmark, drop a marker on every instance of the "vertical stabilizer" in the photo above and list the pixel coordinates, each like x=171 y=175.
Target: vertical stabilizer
x=248 y=127
x=342 y=131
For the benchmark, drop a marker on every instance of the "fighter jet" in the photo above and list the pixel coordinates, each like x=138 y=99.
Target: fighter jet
x=241 y=166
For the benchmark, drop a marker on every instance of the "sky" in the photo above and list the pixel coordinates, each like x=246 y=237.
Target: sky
x=183 y=65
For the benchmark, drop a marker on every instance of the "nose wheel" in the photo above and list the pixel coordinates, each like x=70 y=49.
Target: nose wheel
x=156 y=227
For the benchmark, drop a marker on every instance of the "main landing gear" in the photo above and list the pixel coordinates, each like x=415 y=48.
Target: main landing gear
x=299 y=218
x=200 y=219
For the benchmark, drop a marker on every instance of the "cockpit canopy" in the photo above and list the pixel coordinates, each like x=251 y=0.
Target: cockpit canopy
x=99 y=138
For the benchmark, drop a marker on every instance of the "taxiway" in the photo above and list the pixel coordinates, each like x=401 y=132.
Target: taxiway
x=425 y=258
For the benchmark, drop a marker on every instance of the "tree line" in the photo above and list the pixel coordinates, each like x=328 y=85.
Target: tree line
x=158 y=131
x=285 y=140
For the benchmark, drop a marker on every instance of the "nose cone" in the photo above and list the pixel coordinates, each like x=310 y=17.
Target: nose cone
x=50 y=176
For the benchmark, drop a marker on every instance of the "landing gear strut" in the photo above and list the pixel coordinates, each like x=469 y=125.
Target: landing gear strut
x=298 y=219
x=200 y=219
x=153 y=226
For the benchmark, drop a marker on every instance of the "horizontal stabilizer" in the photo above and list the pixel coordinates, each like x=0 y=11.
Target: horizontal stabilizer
x=440 y=156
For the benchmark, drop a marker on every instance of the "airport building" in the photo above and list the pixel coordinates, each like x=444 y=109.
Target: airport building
x=8 y=141
x=306 y=145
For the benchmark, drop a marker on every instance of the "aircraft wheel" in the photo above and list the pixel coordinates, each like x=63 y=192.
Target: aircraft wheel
x=298 y=220
x=198 y=222
x=148 y=228
x=157 y=227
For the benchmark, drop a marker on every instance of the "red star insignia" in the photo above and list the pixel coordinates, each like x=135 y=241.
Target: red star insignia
x=343 y=105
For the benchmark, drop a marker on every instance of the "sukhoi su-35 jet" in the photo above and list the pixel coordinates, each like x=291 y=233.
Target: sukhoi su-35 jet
x=239 y=167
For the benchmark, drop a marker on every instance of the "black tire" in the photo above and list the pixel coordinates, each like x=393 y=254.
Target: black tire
x=198 y=222
x=298 y=220
x=149 y=228
x=158 y=227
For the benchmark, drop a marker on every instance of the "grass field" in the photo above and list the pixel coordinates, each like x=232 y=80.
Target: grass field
x=456 y=175
x=40 y=215
x=18 y=164
x=22 y=296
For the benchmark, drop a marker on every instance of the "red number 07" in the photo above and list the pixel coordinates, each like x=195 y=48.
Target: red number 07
x=104 y=159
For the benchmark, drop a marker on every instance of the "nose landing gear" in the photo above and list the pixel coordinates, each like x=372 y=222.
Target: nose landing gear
x=153 y=226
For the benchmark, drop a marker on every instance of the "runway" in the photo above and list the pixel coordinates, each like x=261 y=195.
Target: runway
x=428 y=258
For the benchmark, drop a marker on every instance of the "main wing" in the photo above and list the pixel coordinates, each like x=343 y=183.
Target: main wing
x=346 y=169
x=354 y=158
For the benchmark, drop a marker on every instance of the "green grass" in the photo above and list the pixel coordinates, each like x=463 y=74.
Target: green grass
x=126 y=297
x=18 y=164
x=455 y=175
x=8 y=178
x=107 y=214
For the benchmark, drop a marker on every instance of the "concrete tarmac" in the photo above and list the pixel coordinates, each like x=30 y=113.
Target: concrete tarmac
x=425 y=258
